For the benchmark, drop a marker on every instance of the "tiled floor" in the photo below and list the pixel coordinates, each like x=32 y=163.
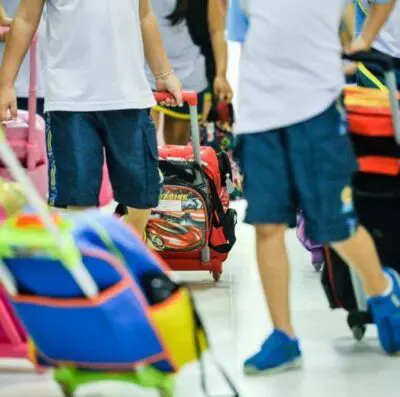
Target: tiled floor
x=234 y=312
x=235 y=315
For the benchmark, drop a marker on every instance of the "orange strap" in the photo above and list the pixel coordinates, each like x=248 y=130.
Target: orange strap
x=378 y=127
x=379 y=165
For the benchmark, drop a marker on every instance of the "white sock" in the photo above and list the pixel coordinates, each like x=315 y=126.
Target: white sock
x=389 y=288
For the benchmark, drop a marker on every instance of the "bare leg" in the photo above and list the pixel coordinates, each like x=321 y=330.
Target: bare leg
x=273 y=265
x=360 y=252
x=138 y=219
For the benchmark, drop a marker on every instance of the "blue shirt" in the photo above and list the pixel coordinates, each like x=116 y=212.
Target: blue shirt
x=238 y=22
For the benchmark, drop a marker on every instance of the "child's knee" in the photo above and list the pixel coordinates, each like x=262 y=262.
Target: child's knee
x=270 y=232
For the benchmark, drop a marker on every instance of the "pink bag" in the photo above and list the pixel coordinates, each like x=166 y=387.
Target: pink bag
x=13 y=339
x=27 y=137
x=106 y=192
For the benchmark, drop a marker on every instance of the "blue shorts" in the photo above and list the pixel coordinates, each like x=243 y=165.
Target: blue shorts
x=308 y=165
x=77 y=143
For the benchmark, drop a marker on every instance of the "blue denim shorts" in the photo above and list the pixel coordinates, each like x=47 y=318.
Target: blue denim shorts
x=78 y=143
x=306 y=166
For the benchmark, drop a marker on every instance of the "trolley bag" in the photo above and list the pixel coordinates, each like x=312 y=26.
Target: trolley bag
x=97 y=303
x=26 y=135
x=193 y=227
x=374 y=124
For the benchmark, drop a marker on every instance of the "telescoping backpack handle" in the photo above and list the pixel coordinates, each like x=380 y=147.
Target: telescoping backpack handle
x=32 y=96
x=198 y=327
x=190 y=98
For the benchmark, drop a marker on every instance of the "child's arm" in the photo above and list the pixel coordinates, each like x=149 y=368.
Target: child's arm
x=155 y=53
x=216 y=24
x=238 y=23
x=4 y=19
x=348 y=25
x=19 y=40
x=377 y=16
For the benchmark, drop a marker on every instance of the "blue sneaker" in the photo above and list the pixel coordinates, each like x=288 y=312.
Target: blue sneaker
x=278 y=353
x=386 y=314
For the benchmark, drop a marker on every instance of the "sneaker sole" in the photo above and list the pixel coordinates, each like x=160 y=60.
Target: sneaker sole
x=290 y=366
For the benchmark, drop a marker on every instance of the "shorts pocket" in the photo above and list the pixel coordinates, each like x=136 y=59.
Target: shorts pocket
x=335 y=158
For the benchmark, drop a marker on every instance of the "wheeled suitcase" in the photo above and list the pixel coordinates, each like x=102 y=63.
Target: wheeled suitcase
x=374 y=124
x=193 y=227
x=26 y=135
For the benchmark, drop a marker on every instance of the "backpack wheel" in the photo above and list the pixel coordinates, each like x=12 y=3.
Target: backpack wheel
x=358 y=332
x=216 y=275
x=66 y=391
x=318 y=266
x=166 y=393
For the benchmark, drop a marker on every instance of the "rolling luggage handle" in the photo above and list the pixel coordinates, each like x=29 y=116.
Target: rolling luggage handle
x=386 y=63
x=190 y=98
x=32 y=98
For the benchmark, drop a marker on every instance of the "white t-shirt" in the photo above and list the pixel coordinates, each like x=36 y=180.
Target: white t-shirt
x=291 y=67
x=22 y=83
x=186 y=58
x=95 y=56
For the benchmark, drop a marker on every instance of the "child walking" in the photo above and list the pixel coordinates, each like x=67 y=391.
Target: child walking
x=97 y=97
x=295 y=153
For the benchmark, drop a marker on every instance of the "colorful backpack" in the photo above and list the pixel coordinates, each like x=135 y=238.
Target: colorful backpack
x=26 y=135
x=218 y=133
x=104 y=302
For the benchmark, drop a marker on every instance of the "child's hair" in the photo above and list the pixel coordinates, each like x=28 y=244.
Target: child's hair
x=179 y=14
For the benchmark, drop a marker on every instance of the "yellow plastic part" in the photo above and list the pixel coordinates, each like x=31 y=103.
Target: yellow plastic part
x=176 y=325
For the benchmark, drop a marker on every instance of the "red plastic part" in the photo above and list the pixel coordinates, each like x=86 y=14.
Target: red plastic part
x=190 y=97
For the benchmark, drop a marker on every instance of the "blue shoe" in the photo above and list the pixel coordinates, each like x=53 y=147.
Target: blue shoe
x=278 y=353
x=386 y=314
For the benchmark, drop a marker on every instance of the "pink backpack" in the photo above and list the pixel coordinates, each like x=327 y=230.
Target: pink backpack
x=13 y=339
x=26 y=135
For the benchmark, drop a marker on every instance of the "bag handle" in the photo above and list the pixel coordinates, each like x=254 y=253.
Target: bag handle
x=32 y=95
x=199 y=327
x=190 y=98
